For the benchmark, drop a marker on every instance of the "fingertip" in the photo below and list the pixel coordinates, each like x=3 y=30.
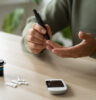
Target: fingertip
x=54 y=51
x=81 y=35
x=47 y=41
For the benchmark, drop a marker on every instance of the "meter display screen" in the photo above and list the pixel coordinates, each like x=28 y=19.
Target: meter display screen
x=54 y=83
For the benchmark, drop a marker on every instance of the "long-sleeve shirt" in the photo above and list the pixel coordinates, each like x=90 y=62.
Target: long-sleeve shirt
x=80 y=15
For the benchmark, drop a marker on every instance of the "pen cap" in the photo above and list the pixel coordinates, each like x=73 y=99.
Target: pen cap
x=40 y=22
x=38 y=18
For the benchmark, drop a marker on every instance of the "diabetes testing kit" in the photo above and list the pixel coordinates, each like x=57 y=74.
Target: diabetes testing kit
x=56 y=86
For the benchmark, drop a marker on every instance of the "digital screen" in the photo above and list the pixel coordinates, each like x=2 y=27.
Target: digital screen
x=54 y=83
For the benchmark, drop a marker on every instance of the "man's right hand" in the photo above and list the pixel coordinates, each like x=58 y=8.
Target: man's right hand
x=35 y=39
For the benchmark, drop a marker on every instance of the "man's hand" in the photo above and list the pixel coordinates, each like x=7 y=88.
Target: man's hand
x=35 y=39
x=86 y=48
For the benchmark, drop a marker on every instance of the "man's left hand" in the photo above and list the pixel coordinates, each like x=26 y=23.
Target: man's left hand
x=87 y=47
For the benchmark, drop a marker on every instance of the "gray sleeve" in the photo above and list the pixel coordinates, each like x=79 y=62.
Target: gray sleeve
x=29 y=23
x=55 y=14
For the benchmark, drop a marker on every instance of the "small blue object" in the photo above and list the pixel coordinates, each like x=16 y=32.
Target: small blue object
x=1 y=62
x=1 y=67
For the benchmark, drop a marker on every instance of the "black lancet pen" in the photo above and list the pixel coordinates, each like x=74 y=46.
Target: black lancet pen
x=39 y=20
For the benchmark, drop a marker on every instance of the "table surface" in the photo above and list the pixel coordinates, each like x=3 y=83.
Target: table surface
x=79 y=74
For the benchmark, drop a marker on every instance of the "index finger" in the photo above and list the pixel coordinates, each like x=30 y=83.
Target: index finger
x=75 y=51
x=53 y=44
x=39 y=28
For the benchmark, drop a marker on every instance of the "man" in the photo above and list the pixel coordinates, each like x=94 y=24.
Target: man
x=79 y=14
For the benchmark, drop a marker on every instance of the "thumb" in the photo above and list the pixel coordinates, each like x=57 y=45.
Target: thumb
x=84 y=36
x=49 y=30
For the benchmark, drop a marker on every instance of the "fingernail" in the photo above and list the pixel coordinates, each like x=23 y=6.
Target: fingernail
x=43 y=31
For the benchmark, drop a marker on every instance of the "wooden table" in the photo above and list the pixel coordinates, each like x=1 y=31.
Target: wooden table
x=79 y=74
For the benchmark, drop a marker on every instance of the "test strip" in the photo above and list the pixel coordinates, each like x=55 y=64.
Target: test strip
x=20 y=82
x=11 y=84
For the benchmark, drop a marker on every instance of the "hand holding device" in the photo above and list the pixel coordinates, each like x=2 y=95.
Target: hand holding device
x=36 y=37
x=40 y=21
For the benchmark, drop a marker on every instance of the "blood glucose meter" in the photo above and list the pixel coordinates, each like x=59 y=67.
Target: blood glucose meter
x=56 y=86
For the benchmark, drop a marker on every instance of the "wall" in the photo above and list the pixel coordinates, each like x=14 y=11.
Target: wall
x=7 y=6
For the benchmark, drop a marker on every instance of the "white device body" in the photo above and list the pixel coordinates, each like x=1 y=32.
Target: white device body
x=57 y=90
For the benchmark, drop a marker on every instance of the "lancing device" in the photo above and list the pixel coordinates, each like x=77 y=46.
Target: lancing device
x=40 y=22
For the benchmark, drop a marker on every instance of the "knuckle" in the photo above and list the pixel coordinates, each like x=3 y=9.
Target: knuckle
x=32 y=38
x=39 y=27
x=34 y=45
x=32 y=31
x=31 y=49
x=27 y=38
x=29 y=31
x=34 y=25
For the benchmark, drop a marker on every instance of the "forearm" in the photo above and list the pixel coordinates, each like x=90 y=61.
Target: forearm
x=28 y=26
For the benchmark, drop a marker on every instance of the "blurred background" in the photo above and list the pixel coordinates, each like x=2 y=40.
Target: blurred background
x=14 y=13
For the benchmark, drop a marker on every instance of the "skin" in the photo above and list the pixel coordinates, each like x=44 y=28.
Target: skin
x=37 y=43
x=35 y=39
